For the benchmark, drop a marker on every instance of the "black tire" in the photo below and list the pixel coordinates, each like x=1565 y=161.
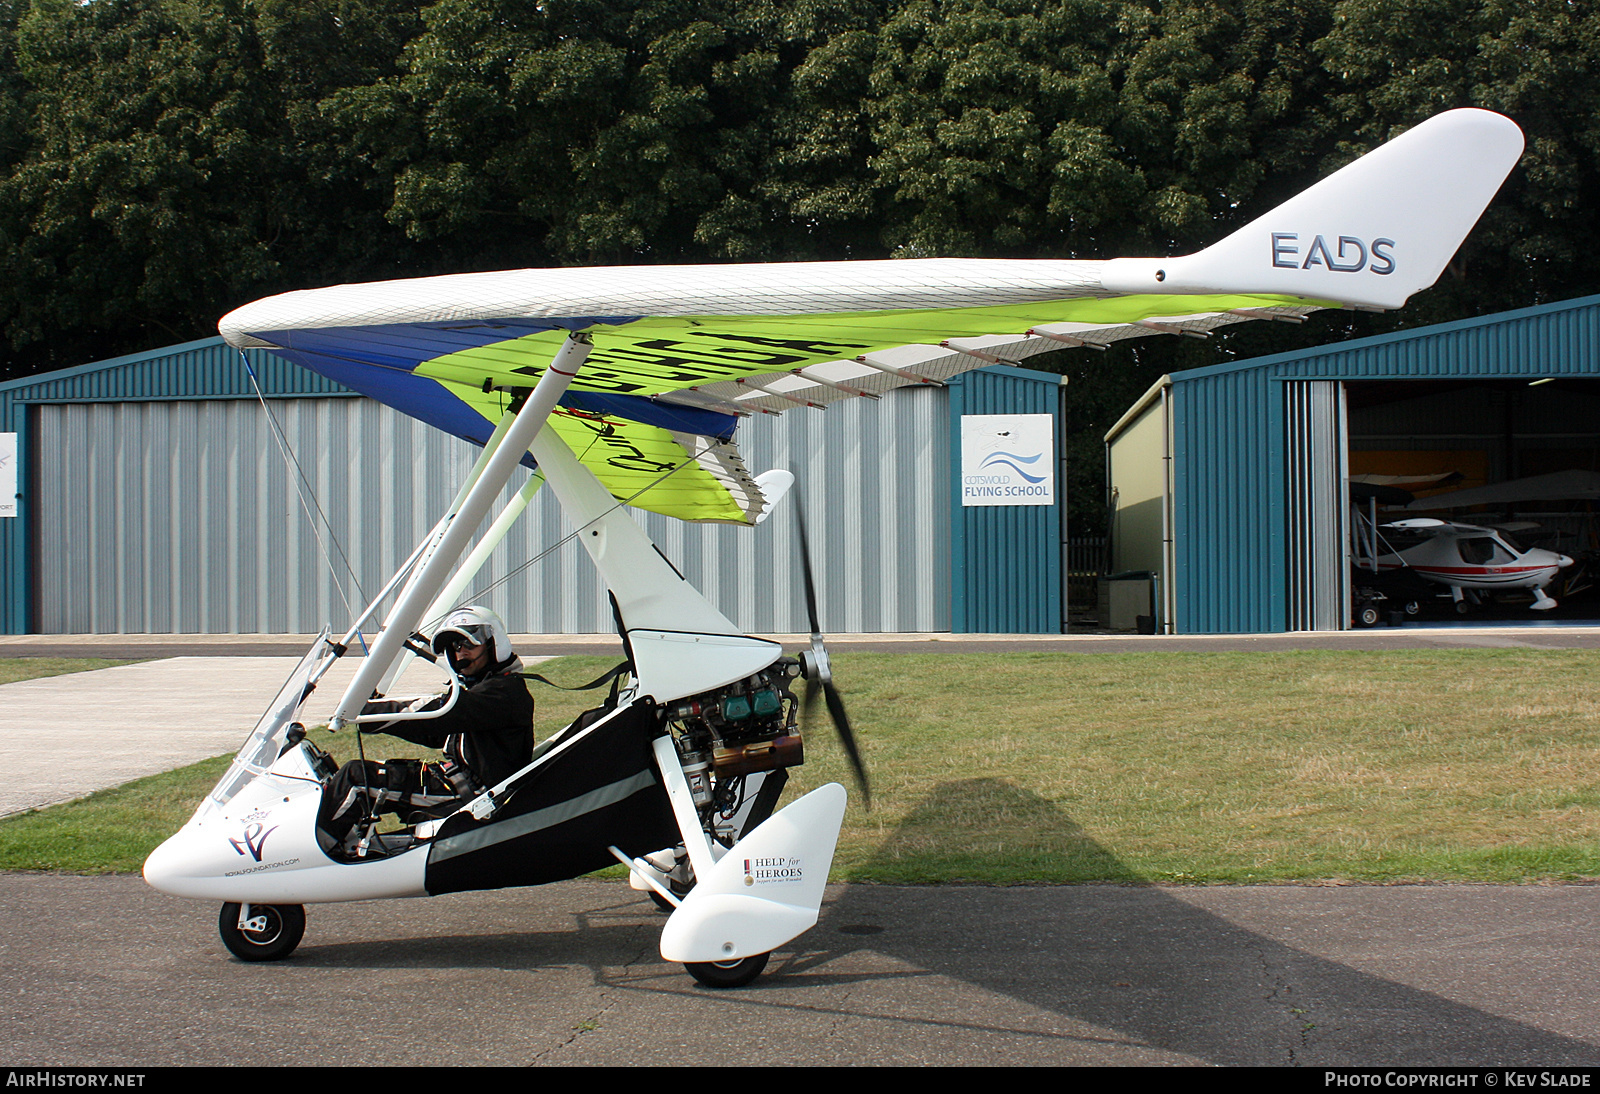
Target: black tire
x=286 y=925
x=677 y=888
x=1368 y=615
x=1462 y=607
x=728 y=974
x=1413 y=608
x=663 y=903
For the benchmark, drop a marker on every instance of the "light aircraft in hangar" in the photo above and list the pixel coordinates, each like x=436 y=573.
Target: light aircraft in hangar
x=1468 y=559
x=1398 y=560
x=623 y=386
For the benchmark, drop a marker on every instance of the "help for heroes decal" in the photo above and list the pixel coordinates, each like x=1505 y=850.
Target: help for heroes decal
x=771 y=871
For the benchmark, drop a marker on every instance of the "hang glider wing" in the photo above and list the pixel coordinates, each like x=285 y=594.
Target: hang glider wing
x=682 y=352
x=1559 y=486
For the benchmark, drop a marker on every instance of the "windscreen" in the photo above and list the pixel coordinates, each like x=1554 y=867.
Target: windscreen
x=267 y=739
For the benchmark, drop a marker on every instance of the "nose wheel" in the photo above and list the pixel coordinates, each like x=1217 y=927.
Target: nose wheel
x=268 y=932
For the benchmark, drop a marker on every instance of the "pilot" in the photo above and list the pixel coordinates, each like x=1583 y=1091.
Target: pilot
x=486 y=737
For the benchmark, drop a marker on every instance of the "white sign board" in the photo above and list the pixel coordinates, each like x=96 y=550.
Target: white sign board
x=8 y=474
x=1008 y=459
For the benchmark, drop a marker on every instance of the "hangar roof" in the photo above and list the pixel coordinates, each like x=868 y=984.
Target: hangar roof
x=207 y=368
x=1555 y=339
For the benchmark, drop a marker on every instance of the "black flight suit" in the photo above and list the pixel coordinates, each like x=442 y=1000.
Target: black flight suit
x=487 y=737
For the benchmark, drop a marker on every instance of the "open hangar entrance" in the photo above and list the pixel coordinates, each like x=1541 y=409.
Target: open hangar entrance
x=1521 y=456
x=1232 y=485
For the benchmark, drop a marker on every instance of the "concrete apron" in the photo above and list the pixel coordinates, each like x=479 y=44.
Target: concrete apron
x=62 y=737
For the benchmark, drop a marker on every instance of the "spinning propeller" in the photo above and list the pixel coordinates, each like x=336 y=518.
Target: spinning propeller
x=818 y=671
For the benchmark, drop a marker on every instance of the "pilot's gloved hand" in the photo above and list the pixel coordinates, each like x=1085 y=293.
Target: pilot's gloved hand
x=387 y=706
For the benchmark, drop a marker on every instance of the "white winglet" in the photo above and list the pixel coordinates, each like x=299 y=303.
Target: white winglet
x=774 y=485
x=764 y=891
x=1370 y=234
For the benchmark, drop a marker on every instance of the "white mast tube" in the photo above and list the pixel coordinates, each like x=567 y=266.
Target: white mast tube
x=423 y=553
x=480 y=554
x=469 y=570
x=489 y=448
x=431 y=575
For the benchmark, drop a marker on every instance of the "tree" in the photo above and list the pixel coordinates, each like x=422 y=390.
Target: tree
x=1396 y=62
x=167 y=170
x=589 y=131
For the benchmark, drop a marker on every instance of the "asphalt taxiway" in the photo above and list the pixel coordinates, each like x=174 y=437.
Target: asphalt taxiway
x=104 y=972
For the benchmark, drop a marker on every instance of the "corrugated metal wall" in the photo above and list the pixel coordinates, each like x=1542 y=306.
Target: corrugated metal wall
x=1317 y=564
x=182 y=517
x=1231 y=478
x=1006 y=560
x=875 y=492
x=1227 y=539
x=206 y=369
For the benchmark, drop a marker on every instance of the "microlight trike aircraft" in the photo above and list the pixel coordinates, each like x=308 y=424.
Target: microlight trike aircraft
x=623 y=386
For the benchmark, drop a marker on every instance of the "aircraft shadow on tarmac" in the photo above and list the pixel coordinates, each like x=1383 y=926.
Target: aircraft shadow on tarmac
x=1133 y=959
x=1128 y=958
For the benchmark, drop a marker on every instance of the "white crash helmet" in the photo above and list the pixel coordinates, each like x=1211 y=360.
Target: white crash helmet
x=477 y=625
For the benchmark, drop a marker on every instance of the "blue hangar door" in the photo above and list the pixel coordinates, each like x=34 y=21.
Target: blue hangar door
x=1007 y=518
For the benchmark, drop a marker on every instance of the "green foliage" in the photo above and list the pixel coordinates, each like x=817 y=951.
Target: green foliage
x=643 y=131
x=168 y=167
x=150 y=121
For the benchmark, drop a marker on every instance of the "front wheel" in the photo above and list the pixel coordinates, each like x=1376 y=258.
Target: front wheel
x=728 y=974
x=275 y=931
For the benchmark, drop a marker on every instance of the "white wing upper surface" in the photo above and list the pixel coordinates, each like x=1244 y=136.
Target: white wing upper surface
x=680 y=352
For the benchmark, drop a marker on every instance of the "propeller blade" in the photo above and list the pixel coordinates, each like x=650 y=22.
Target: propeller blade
x=819 y=671
x=841 y=723
x=805 y=571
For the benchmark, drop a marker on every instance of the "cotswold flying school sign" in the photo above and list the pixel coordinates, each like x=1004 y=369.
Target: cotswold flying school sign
x=1008 y=459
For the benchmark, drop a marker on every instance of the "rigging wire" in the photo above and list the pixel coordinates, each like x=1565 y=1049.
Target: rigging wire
x=305 y=491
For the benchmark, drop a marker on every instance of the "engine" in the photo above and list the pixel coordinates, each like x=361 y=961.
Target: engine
x=742 y=728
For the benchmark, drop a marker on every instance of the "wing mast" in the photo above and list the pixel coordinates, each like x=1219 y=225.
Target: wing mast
x=430 y=577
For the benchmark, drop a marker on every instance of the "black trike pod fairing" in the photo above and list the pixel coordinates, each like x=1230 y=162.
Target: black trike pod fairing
x=598 y=788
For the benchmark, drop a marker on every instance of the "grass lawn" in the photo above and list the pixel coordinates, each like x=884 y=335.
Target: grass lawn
x=13 y=669
x=1167 y=767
